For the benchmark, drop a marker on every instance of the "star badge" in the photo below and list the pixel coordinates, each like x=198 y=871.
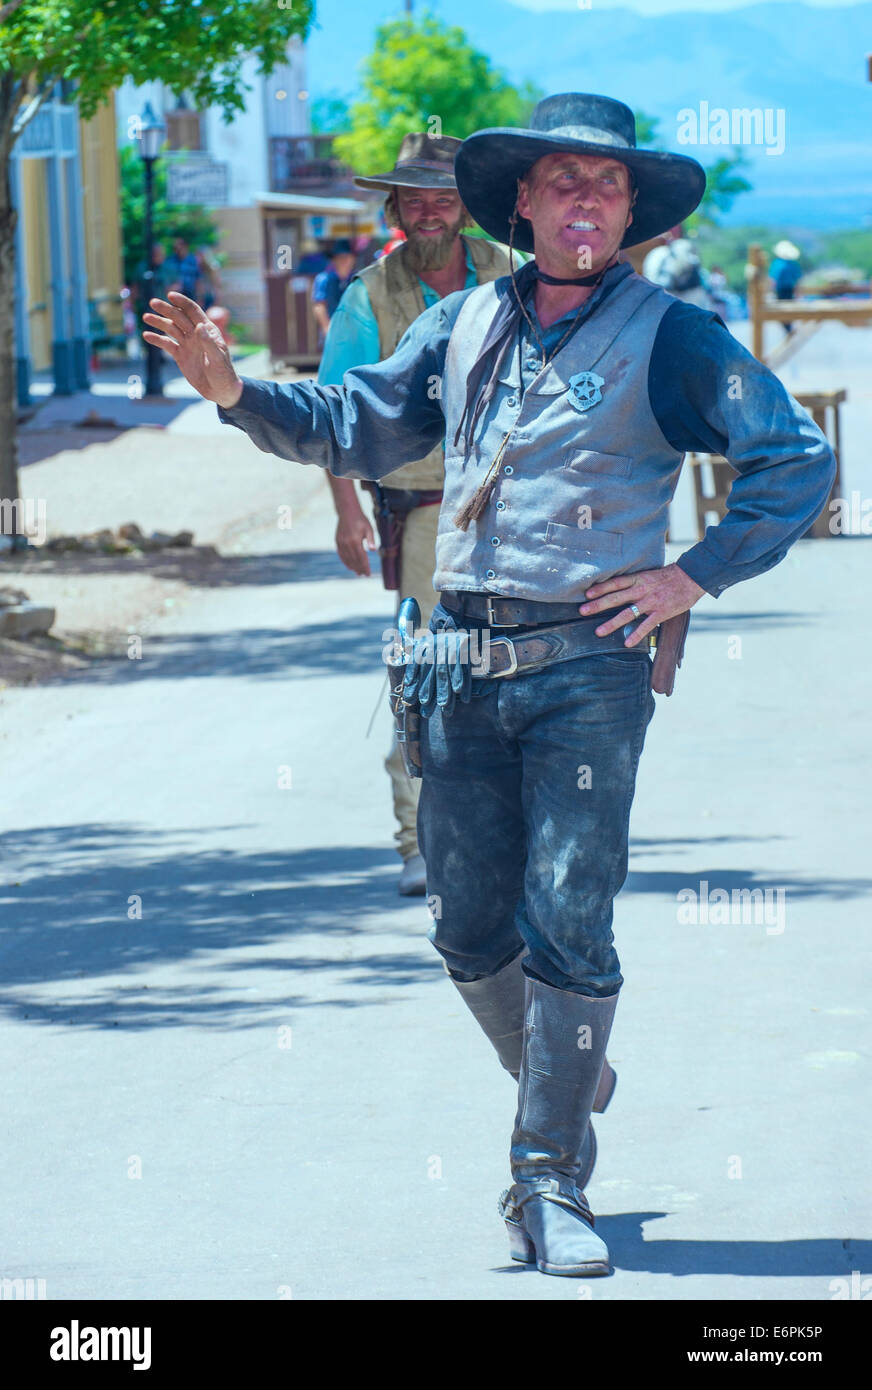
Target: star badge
x=584 y=390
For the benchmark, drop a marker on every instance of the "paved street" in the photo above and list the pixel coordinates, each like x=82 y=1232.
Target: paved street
x=264 y=1086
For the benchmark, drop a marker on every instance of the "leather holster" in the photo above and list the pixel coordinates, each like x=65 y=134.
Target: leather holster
x=671 y=637
x=392 y=507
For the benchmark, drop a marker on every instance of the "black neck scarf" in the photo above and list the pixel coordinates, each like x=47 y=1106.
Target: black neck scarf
x=481 y=382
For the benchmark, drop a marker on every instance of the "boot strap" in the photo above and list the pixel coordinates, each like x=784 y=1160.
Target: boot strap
x=559 y=1190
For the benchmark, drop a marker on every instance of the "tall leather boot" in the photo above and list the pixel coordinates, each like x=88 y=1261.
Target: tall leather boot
x=497 y=1003
x=545 y=1210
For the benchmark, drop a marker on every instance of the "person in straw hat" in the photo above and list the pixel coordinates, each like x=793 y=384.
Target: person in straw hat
x=567 y=396
x=785 y=272
x=380 y=303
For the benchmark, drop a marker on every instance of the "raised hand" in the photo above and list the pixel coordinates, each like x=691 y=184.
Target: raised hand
x=197 y=347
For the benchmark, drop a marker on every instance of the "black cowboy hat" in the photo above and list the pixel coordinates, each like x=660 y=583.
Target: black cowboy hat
x=490 y=162
x=423 y=161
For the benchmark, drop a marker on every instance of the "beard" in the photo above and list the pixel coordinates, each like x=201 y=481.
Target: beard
x=432 y=252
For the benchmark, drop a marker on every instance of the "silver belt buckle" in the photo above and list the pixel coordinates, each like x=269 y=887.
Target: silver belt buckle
x=492 y=617
x=507 y=642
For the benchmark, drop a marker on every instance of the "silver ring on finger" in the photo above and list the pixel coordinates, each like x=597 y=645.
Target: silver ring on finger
x=635 y=610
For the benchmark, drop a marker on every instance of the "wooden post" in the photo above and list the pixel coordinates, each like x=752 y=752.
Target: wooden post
x=755 y=272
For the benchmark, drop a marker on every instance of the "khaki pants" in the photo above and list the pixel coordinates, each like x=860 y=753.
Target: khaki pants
x=418 y=561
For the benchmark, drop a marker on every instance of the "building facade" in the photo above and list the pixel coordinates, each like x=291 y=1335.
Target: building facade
x=65 y=188
x=285 y=196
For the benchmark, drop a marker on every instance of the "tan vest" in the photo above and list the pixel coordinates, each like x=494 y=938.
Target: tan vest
x=395 y=295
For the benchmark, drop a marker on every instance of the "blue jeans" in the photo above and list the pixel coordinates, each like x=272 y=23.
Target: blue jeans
x=523 y=818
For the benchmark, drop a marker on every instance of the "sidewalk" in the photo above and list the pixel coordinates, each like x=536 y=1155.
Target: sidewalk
x=170 y=466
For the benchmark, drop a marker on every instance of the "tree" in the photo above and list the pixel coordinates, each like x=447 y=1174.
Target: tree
x=423 y=75
x=196 y=46
x=724 y=183
x=328 y=114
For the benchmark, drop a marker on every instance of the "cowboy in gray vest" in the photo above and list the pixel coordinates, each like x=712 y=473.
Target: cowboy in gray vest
x=570 y=393
x=380 y=303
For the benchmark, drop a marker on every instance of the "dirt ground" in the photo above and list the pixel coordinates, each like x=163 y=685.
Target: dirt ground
x=192 y=473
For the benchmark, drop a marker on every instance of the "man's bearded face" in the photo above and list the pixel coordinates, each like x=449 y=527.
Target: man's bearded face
x=432 y=219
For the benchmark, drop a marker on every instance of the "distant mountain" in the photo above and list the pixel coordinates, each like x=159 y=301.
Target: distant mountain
x=808 y=63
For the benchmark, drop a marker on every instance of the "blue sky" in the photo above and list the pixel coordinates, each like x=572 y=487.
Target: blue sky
x=663 y=56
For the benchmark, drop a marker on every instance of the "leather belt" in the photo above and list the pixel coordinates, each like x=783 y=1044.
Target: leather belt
x=513 y=612
x=508 y=656
x=575 y=636
x=406 y=499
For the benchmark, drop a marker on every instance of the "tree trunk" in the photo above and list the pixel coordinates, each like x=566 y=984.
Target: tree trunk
x=9 y=391
x=8 y=385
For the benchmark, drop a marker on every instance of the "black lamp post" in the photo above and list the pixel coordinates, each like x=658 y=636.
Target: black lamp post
x=151 y=133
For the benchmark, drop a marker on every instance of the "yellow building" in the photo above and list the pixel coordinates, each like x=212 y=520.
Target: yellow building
x=65 y=185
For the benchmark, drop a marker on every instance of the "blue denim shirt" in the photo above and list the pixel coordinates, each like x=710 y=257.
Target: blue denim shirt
x=389 y=412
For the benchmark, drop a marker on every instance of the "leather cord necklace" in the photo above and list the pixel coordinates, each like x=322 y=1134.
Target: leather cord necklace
x=473 y=509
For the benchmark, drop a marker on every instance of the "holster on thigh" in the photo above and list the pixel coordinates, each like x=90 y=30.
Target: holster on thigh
x=404 y=703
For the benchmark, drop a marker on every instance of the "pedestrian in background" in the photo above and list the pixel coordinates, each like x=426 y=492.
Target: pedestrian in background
x=676 y=267
x=717 y=289
x=183 y=269
x=432 y=260
x=210 y=280
x=785 y=272
x=328 y=286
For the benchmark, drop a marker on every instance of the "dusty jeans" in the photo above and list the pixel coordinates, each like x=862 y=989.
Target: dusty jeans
x=523 y=818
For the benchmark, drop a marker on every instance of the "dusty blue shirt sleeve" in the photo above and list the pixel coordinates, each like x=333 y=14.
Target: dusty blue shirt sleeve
x=380 y=417
x=352 y=338
x=710 y=395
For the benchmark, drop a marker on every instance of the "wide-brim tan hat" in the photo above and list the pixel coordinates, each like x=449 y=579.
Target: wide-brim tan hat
x=423 y=161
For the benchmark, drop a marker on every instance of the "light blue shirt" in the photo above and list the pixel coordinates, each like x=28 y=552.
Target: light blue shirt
x=352 y=339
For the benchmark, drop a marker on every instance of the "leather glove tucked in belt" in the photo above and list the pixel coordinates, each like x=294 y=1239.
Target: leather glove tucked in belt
x=439 y=671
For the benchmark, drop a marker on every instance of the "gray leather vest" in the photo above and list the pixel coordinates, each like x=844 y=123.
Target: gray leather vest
x=587 y=475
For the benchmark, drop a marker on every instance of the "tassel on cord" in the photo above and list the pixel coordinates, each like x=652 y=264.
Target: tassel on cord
x=472 y=510
x=478 y=395
x=477 y=504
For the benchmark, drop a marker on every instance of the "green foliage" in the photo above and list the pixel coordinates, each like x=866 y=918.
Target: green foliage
x=329 y=114
x=724 y=182
x=425 y=75
x=169 y=220
x=646 y=130
x=191 y=45
x=852 y=248
x=728 y=248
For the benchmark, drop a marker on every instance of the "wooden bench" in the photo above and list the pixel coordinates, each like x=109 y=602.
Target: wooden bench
x=823 y=407
x=710 y=495
x=713 y=474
